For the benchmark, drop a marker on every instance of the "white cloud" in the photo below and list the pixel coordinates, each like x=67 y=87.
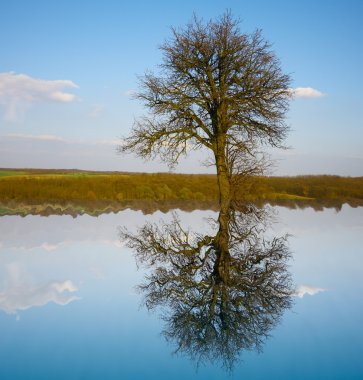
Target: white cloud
x=107 y=142
x=129 y=93
x=18 y=91
x=96 y=273
x=36 y=137
x=46 y=246
x=305 y=289
x=49 y=247
x=61 y=97
x=306 y=92
x=96 y=111
x=24 y=136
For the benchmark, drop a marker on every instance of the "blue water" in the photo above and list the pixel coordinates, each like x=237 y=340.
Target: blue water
x=69 y=309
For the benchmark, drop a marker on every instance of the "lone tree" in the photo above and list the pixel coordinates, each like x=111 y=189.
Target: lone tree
x=217 y=88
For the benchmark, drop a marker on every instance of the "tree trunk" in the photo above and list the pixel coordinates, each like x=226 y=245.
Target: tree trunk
x=221 y=267
x=223 y=176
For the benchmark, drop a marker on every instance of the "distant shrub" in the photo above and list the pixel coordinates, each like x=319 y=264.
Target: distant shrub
x=185 y=193
x=199 y=196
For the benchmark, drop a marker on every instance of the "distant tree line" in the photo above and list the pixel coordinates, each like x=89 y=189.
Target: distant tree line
x=165 y=186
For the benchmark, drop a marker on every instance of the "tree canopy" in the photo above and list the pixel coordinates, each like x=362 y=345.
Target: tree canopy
x=217 y=88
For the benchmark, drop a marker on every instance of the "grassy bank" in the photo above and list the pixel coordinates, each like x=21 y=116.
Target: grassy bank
x=52 y=186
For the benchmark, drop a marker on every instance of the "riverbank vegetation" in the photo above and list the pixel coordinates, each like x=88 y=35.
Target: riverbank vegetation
x=42 y=186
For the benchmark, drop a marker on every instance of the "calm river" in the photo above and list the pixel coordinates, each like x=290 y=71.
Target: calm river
x=70 y=307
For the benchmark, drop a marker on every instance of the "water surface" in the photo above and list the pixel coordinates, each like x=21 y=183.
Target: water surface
x=69 y=309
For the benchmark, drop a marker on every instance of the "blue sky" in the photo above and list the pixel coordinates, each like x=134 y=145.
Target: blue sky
x=67 y=70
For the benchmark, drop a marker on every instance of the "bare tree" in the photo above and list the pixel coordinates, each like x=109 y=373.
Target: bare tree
x=217 y=88
x=215 y=303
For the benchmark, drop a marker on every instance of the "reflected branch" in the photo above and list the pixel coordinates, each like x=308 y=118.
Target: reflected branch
x=219 y=294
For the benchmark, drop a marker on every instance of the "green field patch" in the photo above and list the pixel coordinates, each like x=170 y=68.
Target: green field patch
x=284 y=196
x=11 y=173
x=5 y=211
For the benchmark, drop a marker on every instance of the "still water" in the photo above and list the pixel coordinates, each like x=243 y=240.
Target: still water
x=70 y=308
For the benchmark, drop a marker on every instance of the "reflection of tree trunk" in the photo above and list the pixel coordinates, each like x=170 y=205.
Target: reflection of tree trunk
x=222 y=262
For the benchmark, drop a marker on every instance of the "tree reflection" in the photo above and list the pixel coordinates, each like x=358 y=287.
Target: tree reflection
x=219 y=293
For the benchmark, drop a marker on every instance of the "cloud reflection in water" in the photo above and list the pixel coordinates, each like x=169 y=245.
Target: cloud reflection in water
x=19 y=292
